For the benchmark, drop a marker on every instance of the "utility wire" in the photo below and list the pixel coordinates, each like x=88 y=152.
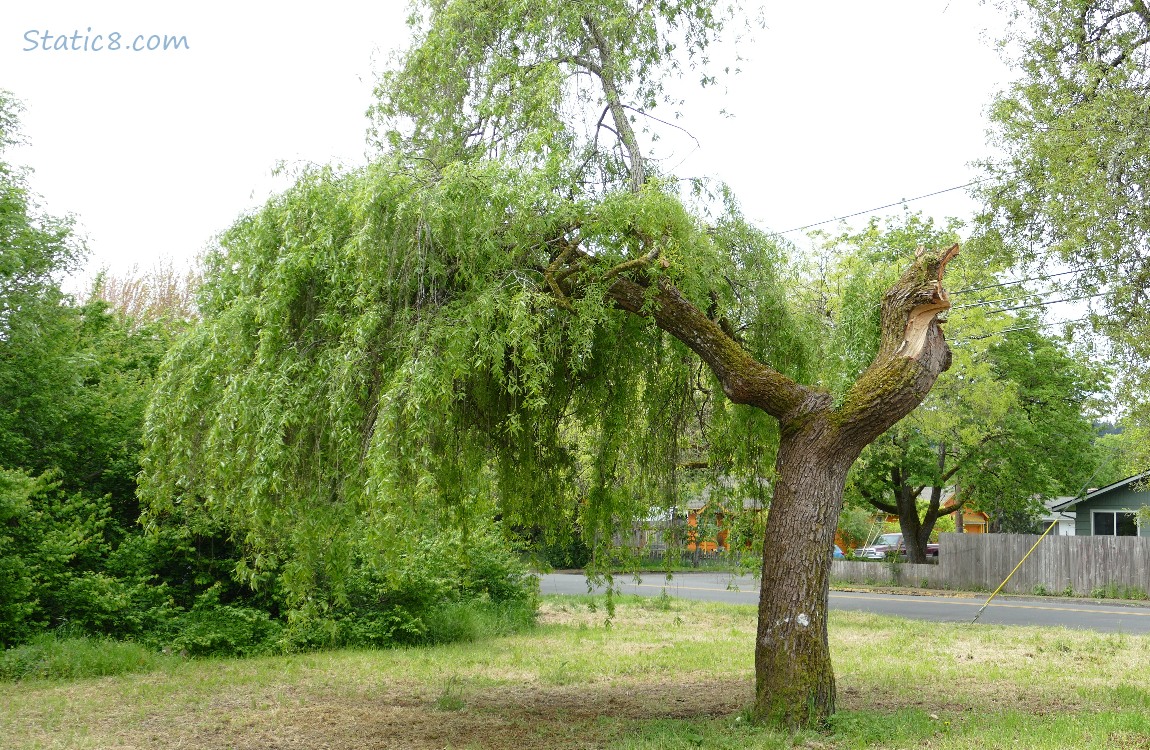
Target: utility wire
x=1014 y=283
x=1036 y=278
x=1026 y=306
x=968 y=339
x=889 y=205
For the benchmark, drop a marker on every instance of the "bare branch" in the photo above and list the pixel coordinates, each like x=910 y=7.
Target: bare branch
x=614 y=98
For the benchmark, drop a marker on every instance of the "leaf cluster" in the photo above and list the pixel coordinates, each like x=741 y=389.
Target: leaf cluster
x=1067 y=189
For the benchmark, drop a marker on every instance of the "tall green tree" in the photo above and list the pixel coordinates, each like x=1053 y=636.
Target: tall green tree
x=37 y=249
x=1068 y=182
x=74 y=381
x=413 y=338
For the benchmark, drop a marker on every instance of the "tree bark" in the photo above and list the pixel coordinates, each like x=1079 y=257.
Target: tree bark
x=915 y=531
x=794 y=679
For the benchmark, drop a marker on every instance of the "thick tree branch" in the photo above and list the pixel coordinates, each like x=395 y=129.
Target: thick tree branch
x=948 y=509
x=1124 y=54
x=912 y=352
x=963 y=462
x=744 y=380
x=885 y=507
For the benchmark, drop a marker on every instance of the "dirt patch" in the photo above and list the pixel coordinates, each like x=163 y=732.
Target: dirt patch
x=525 y=716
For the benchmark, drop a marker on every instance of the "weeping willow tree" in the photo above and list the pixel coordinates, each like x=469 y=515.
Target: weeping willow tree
x=514 y=311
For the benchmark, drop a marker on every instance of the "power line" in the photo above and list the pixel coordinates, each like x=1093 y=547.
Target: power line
x=1037 y=278
x=889 y=205
x=1023 y=307
x=968 y=339
x=1013 y=283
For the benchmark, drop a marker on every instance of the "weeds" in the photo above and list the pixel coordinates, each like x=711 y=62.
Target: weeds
x=53 y=657
x=451 y=699
x=1114 y=591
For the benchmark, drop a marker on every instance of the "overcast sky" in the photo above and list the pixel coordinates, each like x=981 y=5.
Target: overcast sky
x=842 y=107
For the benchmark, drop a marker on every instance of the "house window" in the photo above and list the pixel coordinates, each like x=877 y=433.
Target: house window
x=1114 y=523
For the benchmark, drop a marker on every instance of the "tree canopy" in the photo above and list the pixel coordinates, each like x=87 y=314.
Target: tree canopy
x=371 y=340
x=1067 y=187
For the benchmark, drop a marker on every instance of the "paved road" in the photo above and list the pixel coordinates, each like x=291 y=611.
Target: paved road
x=1048 y=612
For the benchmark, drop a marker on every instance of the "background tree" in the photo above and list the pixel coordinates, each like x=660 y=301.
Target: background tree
x=1067 y=186
x=74 y=381
x=1031 y=438
x=164 y=293
x=37 y=250
x=71 y=405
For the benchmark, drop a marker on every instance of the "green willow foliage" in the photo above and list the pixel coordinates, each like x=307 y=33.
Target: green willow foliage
x=525 y=82
x=380 y=357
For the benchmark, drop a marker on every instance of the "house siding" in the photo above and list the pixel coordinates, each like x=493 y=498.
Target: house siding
x=1122 y=498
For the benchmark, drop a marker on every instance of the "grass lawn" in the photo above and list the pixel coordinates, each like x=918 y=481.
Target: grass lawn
x=664 y=674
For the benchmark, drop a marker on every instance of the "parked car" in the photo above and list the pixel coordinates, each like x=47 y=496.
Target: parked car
x=889 y=545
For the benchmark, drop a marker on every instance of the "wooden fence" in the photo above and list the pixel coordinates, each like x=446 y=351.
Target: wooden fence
x=1082 y=565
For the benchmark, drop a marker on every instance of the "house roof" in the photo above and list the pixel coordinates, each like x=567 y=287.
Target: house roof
x=726 y=484
x=1104 y=490
x=1058 y=505
x=967 y=512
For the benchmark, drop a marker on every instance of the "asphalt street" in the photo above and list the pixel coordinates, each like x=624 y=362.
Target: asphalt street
x=1045 y=612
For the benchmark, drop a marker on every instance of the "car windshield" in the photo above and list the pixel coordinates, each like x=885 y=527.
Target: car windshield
x=891 y=540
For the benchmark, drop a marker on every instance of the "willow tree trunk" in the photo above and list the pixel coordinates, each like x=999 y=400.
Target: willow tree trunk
x=795 y=681
x=820 y=439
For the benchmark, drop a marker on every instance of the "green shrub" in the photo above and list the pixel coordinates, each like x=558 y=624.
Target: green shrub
x=17 y=605
x=49 y=656
x=215 y=629
x=397 y=627
x=307 y=629
x=440 y=590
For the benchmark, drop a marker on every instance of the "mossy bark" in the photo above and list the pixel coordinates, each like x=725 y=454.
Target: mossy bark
x=794 y=679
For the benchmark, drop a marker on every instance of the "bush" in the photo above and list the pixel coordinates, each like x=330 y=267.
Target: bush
x=50 y=656
x=856 y=526
x=439 y=590
x=566 y=553
x=215 y=629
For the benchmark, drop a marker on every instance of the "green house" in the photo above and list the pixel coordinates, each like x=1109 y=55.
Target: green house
x=1113 y=510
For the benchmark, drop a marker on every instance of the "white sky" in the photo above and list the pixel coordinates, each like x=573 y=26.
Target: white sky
x=844 y=106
